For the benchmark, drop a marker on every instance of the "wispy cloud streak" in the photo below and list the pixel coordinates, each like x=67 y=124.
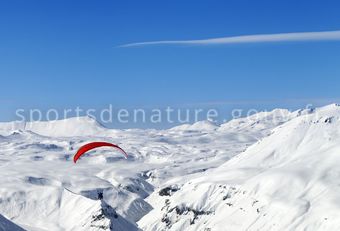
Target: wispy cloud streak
x=258 y=38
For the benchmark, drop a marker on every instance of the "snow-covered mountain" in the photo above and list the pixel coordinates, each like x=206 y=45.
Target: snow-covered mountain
x=287 y=181
x=269 y=171
x=203 y=126
x=78 y=126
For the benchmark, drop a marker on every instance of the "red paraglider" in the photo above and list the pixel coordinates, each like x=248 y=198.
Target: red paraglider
x=87 y=147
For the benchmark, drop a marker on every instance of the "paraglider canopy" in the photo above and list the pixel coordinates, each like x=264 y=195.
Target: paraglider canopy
x=87 y=147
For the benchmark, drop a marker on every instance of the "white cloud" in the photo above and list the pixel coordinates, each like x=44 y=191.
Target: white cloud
x=258 y=38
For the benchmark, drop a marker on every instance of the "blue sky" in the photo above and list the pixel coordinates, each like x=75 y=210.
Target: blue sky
x=61 y=54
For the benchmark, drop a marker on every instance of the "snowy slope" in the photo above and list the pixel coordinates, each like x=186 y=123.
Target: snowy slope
x=8 y=127
x=178 y=179
x=203 y=126
x=262 y=121
x=287 y=181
